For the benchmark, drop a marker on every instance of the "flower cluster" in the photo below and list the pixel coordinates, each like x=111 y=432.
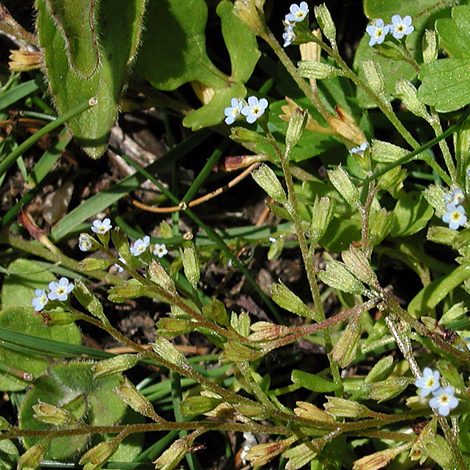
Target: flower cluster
x=297 y=14
x=252 y=110
x=443 y=399
x=399 y=27
x=455 y=215
x=57 y=291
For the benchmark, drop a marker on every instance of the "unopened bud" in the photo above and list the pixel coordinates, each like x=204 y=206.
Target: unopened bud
x=312 y=412
x=434 y=446
x=237 y=352
x=388 y=389
x=381 y=370
x=296 y=127
x=159 y=276
x=23 y=61
x=344 y=351
x=241 y=323
x=430 y=46
x=115 y=365
x=132 y=289
x=250 y=411
x=261 y=454
x=59 y=317
x=343 y=408
x=380 y=459
x=191 y=267
x=338 y=276
x=267 y=179
x=341 y=181
x=301 y=455
x=33 y=456
x=409 y=97
x=132 y=397
x=380 y=225
x=385 y=152
x=84 y=295
x=454 y=313
x=167 y=351
x=216 y=311
x=436 y=197
x=165 y=230
x=4 y=424
x=326 y=23
x=51 y=414
x=248 y=12
x=242 y=136
x=286 y=299
x=441 y=235
x=374 y=76
x=97 y=456
x=195 y=406
x=322 y=214
x=121 y=243
x=359 y=265
x=94 y=264
x=265 y=331
x=317 y=70
x=171 y=327
x=175 y=453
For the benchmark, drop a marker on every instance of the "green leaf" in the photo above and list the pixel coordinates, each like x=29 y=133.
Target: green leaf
x=72 y=386
x=313 y=382
x=25 y=320
x=412 y=213
x=445 y=84
x=25 y=276
x=80 y=67
x=386 y=9
x=453 y=32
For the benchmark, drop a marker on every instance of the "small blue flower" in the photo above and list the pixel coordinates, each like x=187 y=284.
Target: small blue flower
x=140 y=246
x=401 y=26
x=101 y=227
x=120 y=268
x=60 y=290
x=297 y=13
x=232 y=112
x=254 y=109
x=359 y=150
x=160 y=250
x=444 y=400
x=455 y=216
x=377 y=32
x=456 y=197
x=289 y=34
x=429 y=382
x=40 y=301
x=84 y=242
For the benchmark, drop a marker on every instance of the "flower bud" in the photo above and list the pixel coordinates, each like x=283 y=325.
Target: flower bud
x=94 y=264
x=344 y=351
x=191 y=267
x=241 y=323
x=159 y=276
x=380 y=459
x=215 y=311
x=430 y=46
x=317 y=70
x=195 y=406
x=23 y=61
x=165 y=230
x=437 y=448
x=115 y=365
x=175 y=453
x=296 y=127
x=266 y=178
x=247 y=11
x=312 y=412
x=250 y=411
x=51 y=414
x=346 y=126
x=167 y=351
x=435 y=195
x=301 y=455
x=359 y=265
x=59 y=317
x=4 y=424
x=322 y=214
x=242 y=136
x=381 y=370
x=454 y=313
x=286 y=299
x=33 y=456
x=171 y=327
x=97 y=456
x=132 y=289
x=385 y=152
x=261 y=454
x=341 y=181
x=343 y=408
x=121 y=243
x=441 y=235
x=409 y=97
x=374 y=76
x=380 y=225
x=275 y=247
x=326 y=23
x=338 y=276
x=388 y=389
x=86 y=298
x=237 y=352
x=132 y=397
x=266 y=331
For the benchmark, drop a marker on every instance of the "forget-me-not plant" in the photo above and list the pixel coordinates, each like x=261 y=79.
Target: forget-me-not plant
x=297 y=13
x=455 y=216
x=140 y=246
x=444 y=400
x=60 y=290
x=254 y=109
x=289 y=34
x=40 y=301
x=84 y=242
x=401 y=26
x=429 y=382
x=160 y=250
x=359 y=150
x=101 y=227
x=232 y=112
x=377 y=32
